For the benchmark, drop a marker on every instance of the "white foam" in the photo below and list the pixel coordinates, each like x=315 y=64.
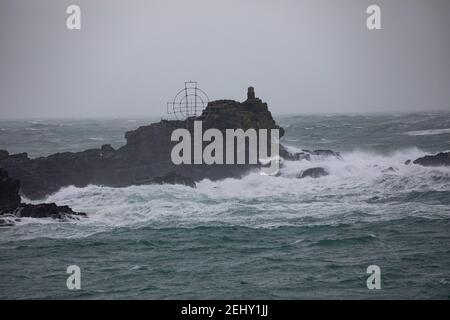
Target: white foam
x=257 y=201
x=428 y=132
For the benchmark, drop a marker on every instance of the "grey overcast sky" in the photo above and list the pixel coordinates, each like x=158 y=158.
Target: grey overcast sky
x=302 y=56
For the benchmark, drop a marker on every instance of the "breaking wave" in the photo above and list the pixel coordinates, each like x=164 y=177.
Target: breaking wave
x=257 y=237
x=361 y=186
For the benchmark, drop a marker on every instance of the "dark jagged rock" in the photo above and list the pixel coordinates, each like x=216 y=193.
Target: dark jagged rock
x=324 y=153
x=407 y=162
x=11 y=206
x=298 y=156
x=43 y=210
x=9 y=190
x=4 y=154
x=107 y=148
x=146 y=154
x=438 y=160
x=389 y=170
x=306 y=154
x=313 y=173
x=169 y=178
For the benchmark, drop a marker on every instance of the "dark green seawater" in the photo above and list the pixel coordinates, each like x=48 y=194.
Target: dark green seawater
x=255 y=237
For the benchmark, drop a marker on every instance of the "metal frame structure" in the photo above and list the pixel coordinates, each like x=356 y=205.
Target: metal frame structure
x=188 y=102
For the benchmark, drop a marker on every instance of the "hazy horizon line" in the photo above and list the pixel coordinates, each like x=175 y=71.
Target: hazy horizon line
x=274 y=114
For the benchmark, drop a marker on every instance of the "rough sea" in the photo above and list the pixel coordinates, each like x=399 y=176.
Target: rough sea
x=258 y=237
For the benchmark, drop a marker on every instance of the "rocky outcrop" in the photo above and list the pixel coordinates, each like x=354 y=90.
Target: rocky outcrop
x=313 y=173
x=438 y=160
x=146 y=154
x=11 y=205
x=297 y=156
x=168 y=178
x=43 y=210
x=307 y=154
x=9 y=190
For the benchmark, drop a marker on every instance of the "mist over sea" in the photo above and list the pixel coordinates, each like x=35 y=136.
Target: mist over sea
x=258 y=237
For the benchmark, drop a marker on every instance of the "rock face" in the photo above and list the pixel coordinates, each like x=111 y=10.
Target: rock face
x=438 y=160
x=10 y=204
x=4 y=154
x=9 y=190
x=146 y=154
x=43 y=210
x=313 y=173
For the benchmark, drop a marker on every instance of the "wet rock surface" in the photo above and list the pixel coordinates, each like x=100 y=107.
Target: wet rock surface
x=12 y=209
x=307 y=154
x=9 y=190
x=438 y=160
x=313 y=173
x=43 y=210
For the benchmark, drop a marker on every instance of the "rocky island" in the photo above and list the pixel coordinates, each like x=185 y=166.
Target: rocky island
x=145 y=158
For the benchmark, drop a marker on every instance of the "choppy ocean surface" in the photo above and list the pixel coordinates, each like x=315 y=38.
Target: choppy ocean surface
x=258 y=237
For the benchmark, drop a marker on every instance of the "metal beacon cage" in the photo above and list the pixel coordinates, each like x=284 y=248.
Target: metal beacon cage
x=189 y=102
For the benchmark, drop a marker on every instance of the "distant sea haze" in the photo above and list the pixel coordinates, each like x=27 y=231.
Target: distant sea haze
x=256 y=237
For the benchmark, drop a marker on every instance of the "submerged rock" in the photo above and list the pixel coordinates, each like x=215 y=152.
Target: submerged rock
x=168 y=178
x=297 y=156
x=313 y=173
x=438 y=160
x=306 y=154
x=390 y=169
x=326 y=153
